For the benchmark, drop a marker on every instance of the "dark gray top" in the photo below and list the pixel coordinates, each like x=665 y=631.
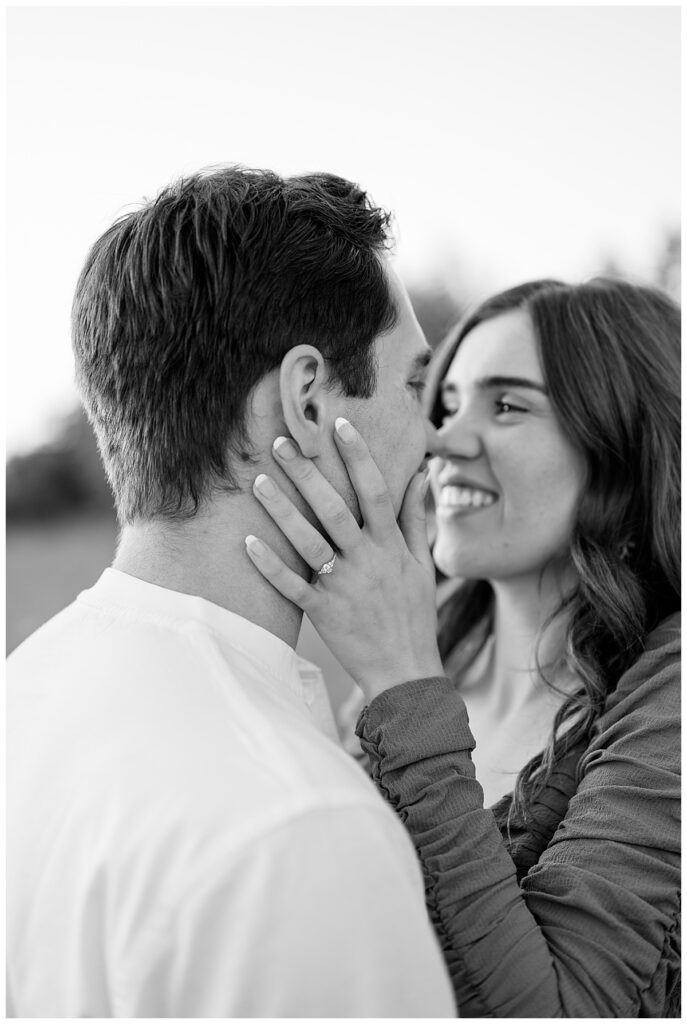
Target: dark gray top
x=580 y=916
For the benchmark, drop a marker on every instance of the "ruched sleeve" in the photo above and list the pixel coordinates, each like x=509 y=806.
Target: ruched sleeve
x=592 y=928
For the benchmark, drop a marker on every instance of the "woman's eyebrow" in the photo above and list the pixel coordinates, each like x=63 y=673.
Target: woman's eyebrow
x=498 y=382
x=511 y=382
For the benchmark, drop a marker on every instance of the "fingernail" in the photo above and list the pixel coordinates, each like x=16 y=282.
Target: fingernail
x=255 y=546
x=265 y=486
x=345 y=431
x=425 y=484
x=285 y=448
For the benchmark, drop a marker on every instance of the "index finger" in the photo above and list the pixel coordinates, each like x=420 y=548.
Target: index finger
x=370 y=486
x=330 y=508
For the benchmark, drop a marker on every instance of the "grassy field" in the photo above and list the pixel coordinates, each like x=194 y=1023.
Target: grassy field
x=47 y=566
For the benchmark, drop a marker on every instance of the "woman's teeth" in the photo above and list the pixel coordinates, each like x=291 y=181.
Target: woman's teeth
x=465 y=497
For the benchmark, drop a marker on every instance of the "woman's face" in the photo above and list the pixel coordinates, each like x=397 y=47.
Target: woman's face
x=506 y=480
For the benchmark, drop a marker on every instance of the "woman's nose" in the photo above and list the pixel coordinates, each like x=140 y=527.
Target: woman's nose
x=433 y=441
x=455 y=439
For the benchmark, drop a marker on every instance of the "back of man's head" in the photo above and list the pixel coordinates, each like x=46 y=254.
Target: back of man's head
x=186 y=304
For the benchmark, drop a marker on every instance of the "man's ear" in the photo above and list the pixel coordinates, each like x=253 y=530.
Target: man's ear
x=304 y=397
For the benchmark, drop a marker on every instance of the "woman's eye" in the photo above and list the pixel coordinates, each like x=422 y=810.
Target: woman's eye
x=417 y=385
x=502 y=406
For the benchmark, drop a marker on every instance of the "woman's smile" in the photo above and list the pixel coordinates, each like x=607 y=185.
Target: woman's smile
x=462 y=499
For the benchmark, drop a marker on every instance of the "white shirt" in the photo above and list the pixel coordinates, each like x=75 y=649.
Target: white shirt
x=185 y=837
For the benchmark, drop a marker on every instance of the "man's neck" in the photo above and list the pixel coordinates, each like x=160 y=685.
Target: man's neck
x=205 y=556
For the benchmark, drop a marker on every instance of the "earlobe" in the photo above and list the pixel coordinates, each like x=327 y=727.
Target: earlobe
x=304 y=397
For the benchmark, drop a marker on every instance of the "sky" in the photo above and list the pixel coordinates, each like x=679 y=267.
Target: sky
x=509 y=142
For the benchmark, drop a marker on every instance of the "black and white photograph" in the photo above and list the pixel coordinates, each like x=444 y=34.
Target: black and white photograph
x=343 y=423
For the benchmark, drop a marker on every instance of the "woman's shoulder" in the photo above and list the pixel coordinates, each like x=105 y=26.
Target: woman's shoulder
x=657 y=669
x=647 y=697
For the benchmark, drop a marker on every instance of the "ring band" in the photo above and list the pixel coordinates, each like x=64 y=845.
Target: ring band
x=327 y=567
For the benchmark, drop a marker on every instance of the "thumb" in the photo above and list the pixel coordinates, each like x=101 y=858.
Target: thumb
x=413 y=521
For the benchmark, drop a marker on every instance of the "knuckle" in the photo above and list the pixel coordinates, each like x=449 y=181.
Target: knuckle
x=308 y=600
x=379 y=498
x=317 y=551
x=337 y=513
x=304 y=470
x=300 y=591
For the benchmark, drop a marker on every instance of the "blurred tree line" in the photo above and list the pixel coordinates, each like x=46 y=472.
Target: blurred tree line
x=66 y=478
x=63 y=478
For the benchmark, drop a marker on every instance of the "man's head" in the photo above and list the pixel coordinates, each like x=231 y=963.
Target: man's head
x=186 y=305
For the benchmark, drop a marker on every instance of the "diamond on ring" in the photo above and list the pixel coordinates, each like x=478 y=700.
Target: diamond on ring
x=327 y=567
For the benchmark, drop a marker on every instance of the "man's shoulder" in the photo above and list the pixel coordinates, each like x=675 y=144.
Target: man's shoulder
x=166 y=720
x=44 y=639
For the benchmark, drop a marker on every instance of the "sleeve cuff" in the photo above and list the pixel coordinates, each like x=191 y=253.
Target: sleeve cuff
x=418 y=719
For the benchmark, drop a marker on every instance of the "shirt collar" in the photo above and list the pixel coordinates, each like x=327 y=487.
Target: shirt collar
x=134 y=597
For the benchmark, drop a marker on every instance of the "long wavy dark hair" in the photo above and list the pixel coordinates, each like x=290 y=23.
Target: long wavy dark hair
x=610 y=356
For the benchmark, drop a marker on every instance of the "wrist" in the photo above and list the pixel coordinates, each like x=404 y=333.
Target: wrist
x=374 y=683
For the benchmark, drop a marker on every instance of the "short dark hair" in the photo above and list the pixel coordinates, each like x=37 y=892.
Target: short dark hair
x=184 y=305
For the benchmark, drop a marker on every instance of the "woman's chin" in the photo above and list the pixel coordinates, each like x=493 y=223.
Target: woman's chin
x=448 y=561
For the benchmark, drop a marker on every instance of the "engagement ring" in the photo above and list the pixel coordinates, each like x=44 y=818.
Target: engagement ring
x=327 y=567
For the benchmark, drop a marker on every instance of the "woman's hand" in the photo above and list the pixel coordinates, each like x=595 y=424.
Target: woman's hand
x=376 y=609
